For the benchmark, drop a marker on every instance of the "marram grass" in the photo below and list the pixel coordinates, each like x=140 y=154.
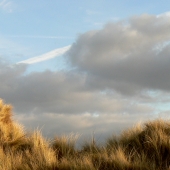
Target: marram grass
x=144 y=147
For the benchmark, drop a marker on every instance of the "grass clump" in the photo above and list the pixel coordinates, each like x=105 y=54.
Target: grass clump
x=144 y=147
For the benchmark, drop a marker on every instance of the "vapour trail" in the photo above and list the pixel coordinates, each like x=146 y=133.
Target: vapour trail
x=46 y=56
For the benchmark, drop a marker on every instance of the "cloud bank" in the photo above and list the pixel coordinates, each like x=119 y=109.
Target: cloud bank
x=127 y=56
x=120 y=75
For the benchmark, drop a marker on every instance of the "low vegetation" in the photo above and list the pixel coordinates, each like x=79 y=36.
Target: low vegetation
x=144 y=147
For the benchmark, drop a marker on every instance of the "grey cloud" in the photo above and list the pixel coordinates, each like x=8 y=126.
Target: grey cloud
x=61 y=103
x=8 y=76
x=85 y=125
x=127 y=56
x=60 y=93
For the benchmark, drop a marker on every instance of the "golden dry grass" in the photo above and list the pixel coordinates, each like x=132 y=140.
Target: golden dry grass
x=144 y=147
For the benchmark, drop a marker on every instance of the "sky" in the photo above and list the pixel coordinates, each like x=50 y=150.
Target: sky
x=85 y=67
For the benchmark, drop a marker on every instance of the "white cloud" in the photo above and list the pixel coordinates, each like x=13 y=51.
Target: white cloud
x=92 y=12
x=164 y=14
x=6 y=6
x=46 y=56
x=39 y=36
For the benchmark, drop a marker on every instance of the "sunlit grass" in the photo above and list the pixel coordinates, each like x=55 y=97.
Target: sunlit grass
x=143 y=147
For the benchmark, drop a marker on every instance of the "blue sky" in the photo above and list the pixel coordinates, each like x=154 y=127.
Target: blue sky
x=31 y=28
x=84 y=66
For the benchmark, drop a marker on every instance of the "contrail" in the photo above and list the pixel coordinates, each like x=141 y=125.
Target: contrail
x=39 y=36
x=46 y=56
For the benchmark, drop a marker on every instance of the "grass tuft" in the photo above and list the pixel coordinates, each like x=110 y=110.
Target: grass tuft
x=143 y=147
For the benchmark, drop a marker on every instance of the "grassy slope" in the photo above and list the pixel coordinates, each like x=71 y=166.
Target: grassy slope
x=144 y=147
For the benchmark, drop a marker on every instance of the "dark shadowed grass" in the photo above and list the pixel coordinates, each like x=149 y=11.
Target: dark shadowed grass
x=143 y=147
